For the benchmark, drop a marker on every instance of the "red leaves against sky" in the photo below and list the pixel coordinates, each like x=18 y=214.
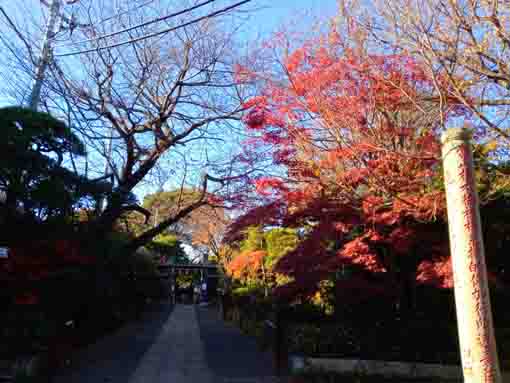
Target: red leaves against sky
x=341 y=122
x=265 y=185
x=360 y=151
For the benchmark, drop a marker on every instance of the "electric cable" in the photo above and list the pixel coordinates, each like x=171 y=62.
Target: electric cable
x=123 y=13
x=139 y=25
x=134 y=40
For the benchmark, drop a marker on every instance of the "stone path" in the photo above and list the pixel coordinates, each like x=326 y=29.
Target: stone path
x=177 y=354
x=184 y=345
x=232 y=356
x=115 y=358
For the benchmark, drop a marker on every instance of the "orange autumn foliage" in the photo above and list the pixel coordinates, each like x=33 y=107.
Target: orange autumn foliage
x=247 y=264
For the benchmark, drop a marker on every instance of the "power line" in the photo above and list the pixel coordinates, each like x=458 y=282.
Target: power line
x=123 y=13
x=142 y=24
x=213 y=14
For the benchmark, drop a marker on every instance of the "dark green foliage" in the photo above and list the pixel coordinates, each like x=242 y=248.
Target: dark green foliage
x=168 y=247
x=28 y=132
x=168 y=199
x=161 y=205
x=41 y=198
x=35 y=186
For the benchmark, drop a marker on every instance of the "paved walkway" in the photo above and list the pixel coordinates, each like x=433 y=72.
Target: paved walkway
x=115 y=358
x=232 y=356
x=185 y=345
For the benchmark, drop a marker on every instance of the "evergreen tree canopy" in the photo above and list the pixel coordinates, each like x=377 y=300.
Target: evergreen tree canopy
x=35 y=187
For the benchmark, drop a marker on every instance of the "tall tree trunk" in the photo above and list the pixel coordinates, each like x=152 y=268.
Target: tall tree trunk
x=264 y=280
x=407 y=280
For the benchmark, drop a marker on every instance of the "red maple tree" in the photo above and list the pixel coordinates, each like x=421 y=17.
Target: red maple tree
x=356 y=145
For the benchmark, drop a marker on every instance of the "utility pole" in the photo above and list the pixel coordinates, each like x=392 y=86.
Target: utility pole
x=107 y=168
x=46 y=53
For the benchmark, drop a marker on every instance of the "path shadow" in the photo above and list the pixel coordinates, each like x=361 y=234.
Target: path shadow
x=115 y=357
x=230 y=354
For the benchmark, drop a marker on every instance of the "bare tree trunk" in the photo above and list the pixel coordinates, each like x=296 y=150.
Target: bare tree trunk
x=264 y=280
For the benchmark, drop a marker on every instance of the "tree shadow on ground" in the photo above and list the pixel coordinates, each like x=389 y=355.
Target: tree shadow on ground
x=230 y=353
x=115 y=357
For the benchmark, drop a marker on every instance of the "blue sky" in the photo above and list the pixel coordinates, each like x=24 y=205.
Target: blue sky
x=276 y=12
x=270 y=15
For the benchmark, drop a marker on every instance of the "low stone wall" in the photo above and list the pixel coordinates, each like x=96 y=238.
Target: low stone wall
x=377 y=367
x=381 y=368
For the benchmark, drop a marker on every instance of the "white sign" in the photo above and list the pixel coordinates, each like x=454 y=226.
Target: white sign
x=4 y=252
